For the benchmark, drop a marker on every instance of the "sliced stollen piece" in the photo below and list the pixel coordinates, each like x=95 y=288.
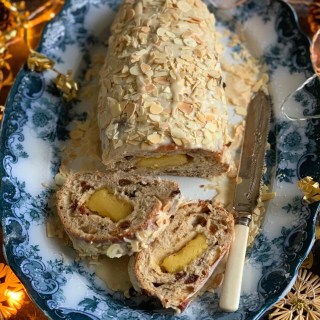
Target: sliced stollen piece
x=114 y=214
x=161 y=106
x=178 y=263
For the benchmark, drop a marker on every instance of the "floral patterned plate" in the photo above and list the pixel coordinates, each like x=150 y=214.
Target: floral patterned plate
x=35 y=125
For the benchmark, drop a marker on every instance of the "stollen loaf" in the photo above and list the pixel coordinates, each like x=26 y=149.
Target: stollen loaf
x=114 y=214
x=178 y=263
x=162 y=106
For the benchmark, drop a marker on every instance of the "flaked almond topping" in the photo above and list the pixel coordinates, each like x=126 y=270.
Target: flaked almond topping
x=161 y=73
x=118 y=144
x=163 y=125
x=155 y=117
x=180 y=63
x=154 y=138
x=130 y=79
x=148 y=104
x=186 y=34
x=161 y=32
x=170 y=34
x=197 y=39
x=185 y=107
x=177 y=141
x=211 y=127
x=167 y=89
x=202 y=66
x=173 y=75
x=190 y=42
x=133 y=142
x=125 y=69
x=192 y=125
x=161 y=80
x=186 y=57
x=145 y=29
x=145 y=68
x=212 y=84
x=201 y=117
x=194 y=20
x=130 y=14
x=153 y=71
x=129 y=109
x=183 y=6
x=143 y=38
x=210 y=117
x=123 y=13
x=156 y=108
x=135 y=70
x=148 y=73
x=168 y=50
x=151 y=88
x=177 y=133
x=139 y=8
x=200 y=52
x=178 y=41
x=137 y=55
x=116 y=79
x=214 y=74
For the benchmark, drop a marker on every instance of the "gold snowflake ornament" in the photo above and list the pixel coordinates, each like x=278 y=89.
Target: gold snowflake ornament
x=302 y=302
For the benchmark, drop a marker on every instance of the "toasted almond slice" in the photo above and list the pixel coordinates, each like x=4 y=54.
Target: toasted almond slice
x=154 y=138
x=155 y=117
x=178 y=133
x=183 y=6
x=134 y=70
x=190 y=42
x=156 y=108
x=145 y=68
x=185 y=107
x=161 y=80
x=161 y=32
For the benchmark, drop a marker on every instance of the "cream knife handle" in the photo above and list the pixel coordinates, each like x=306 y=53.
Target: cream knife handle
x=231 y=287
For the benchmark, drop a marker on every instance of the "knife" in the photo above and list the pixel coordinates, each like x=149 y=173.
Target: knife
x=246 y=194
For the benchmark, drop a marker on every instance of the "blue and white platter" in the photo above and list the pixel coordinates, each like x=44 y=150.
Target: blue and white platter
x=36 y=125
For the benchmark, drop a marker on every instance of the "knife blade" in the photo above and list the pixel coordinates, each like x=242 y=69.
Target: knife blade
x=246 y=195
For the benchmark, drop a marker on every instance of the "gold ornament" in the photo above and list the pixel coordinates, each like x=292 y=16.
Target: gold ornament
x=302 y=302
x=1 y=112
x=67 y=85
x=39 y=62
x=17 y=23
x=314 y=16
x=11 y=292
x=6 y=75
x=310 y=189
